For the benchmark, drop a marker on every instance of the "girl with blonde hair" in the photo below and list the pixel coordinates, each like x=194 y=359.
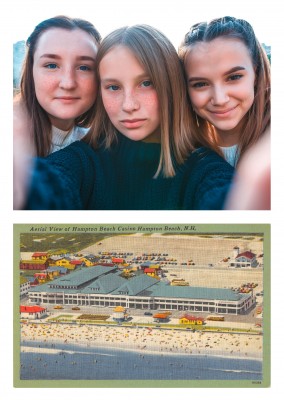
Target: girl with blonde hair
x=138 y=154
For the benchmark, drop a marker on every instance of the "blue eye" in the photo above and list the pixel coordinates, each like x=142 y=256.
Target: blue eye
x=146 y=83
x=51 y=66
x=235 y=77
x=199 y=85
x=113 y=88
x=85 y=68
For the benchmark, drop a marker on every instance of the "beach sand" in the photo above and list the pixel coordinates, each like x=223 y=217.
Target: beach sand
x=144 y=339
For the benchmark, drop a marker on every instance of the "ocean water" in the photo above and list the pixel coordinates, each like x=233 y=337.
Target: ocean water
x=74 y=363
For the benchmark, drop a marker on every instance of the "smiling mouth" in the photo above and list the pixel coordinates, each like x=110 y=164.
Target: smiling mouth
x=223 y=112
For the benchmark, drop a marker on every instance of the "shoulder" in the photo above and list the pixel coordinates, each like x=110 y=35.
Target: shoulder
x=78 y=147
x=207 y=158
x=208 y=179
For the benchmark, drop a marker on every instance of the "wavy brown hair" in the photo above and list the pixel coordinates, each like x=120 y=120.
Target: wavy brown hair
x=257 y=120
x=41 y=125
x=160 y=60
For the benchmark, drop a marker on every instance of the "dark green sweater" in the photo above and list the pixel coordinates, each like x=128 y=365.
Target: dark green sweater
x=121 y=178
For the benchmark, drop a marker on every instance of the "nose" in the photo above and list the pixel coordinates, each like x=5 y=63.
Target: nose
x=219 y=96
x=67 y=79
x=130 y=101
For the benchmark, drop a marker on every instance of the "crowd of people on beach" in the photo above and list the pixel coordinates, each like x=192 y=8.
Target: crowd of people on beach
x=53 y=335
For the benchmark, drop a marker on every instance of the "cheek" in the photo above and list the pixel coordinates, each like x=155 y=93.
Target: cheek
x=43 y=85
x=151 y=101
x=89 y=88
x=197 y=99
x=111 y=105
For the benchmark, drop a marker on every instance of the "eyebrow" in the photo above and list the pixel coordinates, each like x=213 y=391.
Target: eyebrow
x=138 y=78
x=57 y=57
x=232 y=70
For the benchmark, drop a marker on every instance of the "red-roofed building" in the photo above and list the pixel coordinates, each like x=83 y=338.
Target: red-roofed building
x=151 y=272
x=32 y=312
x=247 y=259
x=39 y=256
x=161 y=317
x=34 y=264
x=116 y=260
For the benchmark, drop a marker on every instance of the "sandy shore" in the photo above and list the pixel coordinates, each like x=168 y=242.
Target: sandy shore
x=143 y=340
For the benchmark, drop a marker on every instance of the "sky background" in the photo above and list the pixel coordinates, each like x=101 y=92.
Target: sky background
x=174 y=18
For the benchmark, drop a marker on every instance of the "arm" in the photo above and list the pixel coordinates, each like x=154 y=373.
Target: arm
x=23 y=152
x=64 y=180
x=251 y=189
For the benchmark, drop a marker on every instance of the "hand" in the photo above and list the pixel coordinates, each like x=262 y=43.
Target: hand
x=252 y=185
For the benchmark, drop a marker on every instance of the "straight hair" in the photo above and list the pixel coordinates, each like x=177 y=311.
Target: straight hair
x=257 y=119
x=41 y=125
x=160 y=60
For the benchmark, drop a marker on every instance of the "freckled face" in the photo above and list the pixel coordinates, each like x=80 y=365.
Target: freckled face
x=128 y=95
x=221 y=77
x=64 y=74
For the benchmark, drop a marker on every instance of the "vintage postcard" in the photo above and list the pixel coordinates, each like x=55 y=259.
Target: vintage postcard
x=161 y=305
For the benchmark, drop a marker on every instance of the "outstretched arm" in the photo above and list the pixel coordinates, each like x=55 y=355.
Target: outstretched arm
x=251 y=188
x=23 y=153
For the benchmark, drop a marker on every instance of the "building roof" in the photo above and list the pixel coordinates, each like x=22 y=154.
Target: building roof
x=81 y=277
x=34 y=262
x=31 y=309
x=163 y=290
x=192 y=317
x=149 y=270
x=119 y=309
x=77 y=280
x=118 y=260
x=107 y=280
x=62 y=270
x=40 y=275
x=246 y=254
x=105 y=284
x=161 y=315
x=136 y=285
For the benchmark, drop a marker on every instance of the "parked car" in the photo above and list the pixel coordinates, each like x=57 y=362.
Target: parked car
x=148 y=313
x=58 y=307
x=76 y=308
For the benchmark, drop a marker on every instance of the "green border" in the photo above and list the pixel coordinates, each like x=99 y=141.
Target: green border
x=149 y=228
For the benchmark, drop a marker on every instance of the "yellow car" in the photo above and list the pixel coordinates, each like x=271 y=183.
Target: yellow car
x=58 y=307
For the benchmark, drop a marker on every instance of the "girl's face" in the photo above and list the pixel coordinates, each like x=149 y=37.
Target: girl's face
x=64 y=74
x=220 y=76
x=128 y=95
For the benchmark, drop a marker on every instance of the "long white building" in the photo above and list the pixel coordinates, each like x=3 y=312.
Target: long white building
x=102 y=286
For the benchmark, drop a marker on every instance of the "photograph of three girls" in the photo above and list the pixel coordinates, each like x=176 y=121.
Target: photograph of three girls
x=127 y=122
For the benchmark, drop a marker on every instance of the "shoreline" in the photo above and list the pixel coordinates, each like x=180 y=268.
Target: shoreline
x=141 y=340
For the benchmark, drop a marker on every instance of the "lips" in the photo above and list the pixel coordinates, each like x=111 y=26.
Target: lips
x=133 y=123
x=223 y=112
x=67 y=99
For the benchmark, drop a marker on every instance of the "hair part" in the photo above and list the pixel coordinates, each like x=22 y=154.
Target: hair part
x=159 y=58
x=40 y=120
x=257 y=119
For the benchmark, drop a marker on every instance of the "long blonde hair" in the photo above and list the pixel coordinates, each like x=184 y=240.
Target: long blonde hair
x=257 y=120
x=159 y=58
